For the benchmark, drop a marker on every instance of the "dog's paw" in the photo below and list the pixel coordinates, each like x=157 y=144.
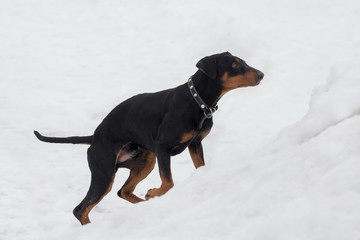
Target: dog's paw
x=151 y=193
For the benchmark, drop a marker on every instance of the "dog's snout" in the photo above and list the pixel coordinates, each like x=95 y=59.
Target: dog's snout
x=260 y=75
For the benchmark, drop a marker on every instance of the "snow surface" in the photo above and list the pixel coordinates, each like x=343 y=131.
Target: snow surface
x=282 y=161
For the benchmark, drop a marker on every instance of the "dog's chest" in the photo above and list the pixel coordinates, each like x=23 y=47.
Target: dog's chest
x=187 y=138
x=178 y=149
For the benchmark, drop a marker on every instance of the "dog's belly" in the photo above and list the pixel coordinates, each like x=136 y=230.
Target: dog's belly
x=124 y=156
x=132 y=150
x=127 y=152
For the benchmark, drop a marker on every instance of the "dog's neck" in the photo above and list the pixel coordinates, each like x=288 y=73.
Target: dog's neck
x=209 y=89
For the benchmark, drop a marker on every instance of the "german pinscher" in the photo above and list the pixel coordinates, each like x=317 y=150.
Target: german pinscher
x=157 y=125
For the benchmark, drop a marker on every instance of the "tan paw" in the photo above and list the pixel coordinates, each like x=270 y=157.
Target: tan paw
x=151 y=193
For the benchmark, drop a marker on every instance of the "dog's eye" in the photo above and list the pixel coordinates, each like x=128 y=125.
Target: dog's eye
x=235 y=65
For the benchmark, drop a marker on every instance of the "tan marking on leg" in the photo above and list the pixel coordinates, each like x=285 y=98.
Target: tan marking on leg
x=204 y=134
x=136 y=176
x=84 y=219
x=187 y=136
x=85 y=216
x=157 y=192
x=196 y=158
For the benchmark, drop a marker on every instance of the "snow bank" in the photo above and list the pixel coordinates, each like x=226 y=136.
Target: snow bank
x=306 y=189
x=331 y=103
x=311 y=189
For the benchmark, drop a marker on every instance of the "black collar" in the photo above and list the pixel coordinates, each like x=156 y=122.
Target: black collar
x=208 y=111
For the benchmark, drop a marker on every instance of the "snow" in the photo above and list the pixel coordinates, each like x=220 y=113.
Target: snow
x=282 y=160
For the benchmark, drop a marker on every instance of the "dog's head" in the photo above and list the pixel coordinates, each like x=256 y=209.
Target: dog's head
x=231 y=72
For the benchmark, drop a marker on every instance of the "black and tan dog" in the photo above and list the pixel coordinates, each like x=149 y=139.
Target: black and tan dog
x=157 y=125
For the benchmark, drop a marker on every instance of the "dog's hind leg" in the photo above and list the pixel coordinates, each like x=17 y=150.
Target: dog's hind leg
x=140 y=167
x=101 y=161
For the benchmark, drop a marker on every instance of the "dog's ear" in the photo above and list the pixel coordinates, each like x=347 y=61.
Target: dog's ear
x=208 y=65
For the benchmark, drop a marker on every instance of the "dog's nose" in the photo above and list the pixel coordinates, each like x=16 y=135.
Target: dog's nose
x=260 y=75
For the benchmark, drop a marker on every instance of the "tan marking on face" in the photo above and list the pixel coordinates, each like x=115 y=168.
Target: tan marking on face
x=187 y=136
x=246 y=80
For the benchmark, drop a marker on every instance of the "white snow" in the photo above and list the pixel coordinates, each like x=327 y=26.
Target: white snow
x=282 y=161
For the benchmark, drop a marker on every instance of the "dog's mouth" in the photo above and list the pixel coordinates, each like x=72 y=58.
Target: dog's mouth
x=257 y=82
x=259 y=77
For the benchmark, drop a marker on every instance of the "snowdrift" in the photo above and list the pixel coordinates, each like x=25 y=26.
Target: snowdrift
x=303 y=186
x=331 y=103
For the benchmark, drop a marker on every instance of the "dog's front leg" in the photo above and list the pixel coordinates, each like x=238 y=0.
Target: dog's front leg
x=167 y=183
x=196 y=153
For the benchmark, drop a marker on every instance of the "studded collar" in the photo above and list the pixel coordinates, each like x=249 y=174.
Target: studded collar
x=208 y=111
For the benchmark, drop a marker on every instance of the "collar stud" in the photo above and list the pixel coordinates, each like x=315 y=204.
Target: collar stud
x=208 y=111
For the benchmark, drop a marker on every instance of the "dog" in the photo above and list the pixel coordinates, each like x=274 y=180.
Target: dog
x=158 y=125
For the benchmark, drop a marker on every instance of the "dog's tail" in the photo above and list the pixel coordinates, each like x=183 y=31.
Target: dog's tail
x=75 y=140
